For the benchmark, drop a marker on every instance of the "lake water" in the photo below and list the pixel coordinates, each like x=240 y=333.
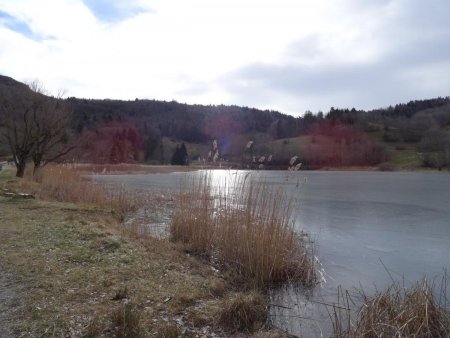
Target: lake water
x=368 y=227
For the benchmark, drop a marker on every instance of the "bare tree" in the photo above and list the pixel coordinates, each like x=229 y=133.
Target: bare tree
x=52 y=128
x=34 y=125
x=16 y=110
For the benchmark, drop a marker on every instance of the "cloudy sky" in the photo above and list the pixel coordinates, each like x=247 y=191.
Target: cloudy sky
x=288 y=55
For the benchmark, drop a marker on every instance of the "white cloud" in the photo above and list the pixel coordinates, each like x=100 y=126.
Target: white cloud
x=186 y=50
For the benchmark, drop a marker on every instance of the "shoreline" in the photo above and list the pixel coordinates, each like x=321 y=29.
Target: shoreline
x=85 y=274
x=164 y=169
x=132 y=168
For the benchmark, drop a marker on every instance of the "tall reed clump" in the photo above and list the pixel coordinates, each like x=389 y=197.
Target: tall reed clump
x=66 y=184
x=193 y=221
x=245 y=226
x=418 y=311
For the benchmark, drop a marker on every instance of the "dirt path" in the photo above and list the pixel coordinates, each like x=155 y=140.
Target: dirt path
x=9 y=303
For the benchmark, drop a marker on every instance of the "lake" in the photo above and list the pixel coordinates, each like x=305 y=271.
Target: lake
x=368 y=228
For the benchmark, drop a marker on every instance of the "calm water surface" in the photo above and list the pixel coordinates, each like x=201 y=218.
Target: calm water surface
x=368 y=227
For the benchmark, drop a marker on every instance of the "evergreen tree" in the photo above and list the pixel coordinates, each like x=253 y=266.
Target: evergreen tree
x=175 y=160
x=183 y=154
x=180 y=155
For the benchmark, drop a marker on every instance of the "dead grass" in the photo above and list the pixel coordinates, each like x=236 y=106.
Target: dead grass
x=126 y=322
x=93 y=329
x=79 y=267
x=66 y=184
x=193 y=219
x=168 y=330
x=398 y=312
x=243 y=312
x=244 y=227
x=131 y=168
x=86 y=266
x=122 y=293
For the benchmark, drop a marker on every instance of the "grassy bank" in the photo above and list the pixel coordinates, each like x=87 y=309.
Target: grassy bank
x=79 y=270
x=82 y=274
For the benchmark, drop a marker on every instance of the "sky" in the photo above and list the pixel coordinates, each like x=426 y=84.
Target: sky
x=285 y=55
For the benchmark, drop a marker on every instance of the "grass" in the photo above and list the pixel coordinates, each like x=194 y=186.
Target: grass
x=398 y=312
x=6 y=175
x=66 y=184
x=127 y=168
x=402 y=156
x=286 y=148
x=126 y=322
x=80 y=267
x=243 y=312
x=245 y=227
x=406 y=158
x=76 y=281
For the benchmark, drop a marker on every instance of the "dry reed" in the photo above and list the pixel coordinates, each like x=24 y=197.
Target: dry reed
x=65 y=184
x=398 y=312
x=246 y=227
x=129 y=168
x=110 y=168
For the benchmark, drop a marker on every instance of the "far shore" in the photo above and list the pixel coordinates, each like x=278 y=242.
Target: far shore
x=136 y=168
x=130 y=168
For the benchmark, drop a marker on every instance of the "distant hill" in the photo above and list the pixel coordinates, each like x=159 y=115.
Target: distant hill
x=10 y=82
x=396 y=137
x=406 y=135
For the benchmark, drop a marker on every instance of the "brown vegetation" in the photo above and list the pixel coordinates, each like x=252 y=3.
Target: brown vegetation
x=84 y=270
x=112 y=142
x=418 y=311
x=130 y=168
x=126 y=322
x=65 y=184
x=243 y=312
x=245 y=227
x=79 y=268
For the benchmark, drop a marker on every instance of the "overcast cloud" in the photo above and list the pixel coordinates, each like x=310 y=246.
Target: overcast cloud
x=288 y=55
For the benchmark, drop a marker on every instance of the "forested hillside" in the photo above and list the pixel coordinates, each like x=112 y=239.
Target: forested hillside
x=407 y=135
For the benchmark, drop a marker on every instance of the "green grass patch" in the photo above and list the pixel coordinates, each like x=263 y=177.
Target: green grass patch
x=406 y=158
x=6 y=175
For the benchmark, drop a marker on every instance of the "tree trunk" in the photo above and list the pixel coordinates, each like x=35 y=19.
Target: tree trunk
x=37 y=161
x=20 y=168
x=37 y=166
